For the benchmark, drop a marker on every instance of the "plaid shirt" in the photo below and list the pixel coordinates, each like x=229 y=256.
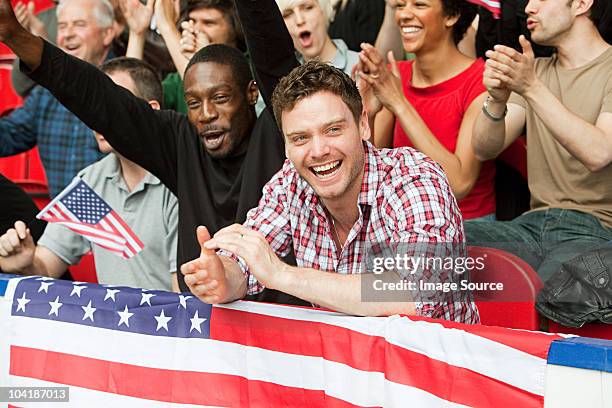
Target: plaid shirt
x=404 y=197
x=65 y=144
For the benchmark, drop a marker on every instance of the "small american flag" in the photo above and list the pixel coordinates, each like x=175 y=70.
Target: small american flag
x=79 y=208
x=494 y=6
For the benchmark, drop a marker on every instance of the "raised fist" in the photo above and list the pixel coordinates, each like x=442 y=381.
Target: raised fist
x=16 y=248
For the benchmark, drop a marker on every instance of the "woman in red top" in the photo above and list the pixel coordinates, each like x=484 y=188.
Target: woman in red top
x=431 y=102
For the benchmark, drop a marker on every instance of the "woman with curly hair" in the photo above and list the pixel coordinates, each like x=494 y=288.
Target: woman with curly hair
x=431 y=102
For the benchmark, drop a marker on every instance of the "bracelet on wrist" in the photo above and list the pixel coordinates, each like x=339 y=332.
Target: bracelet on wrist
x=485 y=109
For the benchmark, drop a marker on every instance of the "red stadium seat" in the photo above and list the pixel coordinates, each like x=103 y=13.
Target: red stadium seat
x=6 y=54
x=39 y=5
x=514 y=307
x=85 y=271
x=35 y=182
x=9 y=100
x=14 y=167
x=38 y=191
x=26 y=170
x=24 y=166
x=515 y=156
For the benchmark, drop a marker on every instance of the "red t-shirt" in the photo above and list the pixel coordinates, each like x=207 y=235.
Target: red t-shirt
x=442 y=107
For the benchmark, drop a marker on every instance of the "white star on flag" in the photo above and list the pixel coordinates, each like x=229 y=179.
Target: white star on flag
x=44 y=287
x=89 y=311
x=55 y=305
x=125 y=317
x=110 y=294
x=146 y=298
x=77 y=289
x=162 y=321
x=196 y=322
x=183 y=300
x=22 y=302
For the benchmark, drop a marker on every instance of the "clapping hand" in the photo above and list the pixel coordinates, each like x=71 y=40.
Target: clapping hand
x=137 y=15
x=254 y=249
x=385 y=82
x=508 y=70
x=166 y=14
x=29 y=20
x=192 y=40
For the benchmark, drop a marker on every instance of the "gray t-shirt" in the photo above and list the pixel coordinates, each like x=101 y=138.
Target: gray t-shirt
x=151 y=210
x=556 y=178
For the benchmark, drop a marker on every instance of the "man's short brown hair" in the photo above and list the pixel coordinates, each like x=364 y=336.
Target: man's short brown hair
x=145 y=77
x=310 y=78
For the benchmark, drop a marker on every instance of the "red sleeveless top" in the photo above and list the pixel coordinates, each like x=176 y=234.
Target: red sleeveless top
x=442 y=107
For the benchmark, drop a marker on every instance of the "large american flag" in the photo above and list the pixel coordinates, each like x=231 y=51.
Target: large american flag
x=494 y=6
x=82 y=210
x=124 y=347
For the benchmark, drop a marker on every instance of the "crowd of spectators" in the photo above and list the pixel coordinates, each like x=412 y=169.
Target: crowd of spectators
x=260 y=125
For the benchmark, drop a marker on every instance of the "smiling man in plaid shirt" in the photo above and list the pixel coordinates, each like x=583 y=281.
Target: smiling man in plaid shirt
x=334 y=196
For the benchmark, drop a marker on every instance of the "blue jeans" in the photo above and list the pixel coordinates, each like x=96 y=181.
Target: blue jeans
x=488 y=217
x=544 y=239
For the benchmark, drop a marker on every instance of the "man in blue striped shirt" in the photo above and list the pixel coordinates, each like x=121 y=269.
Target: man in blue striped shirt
x=66 y=145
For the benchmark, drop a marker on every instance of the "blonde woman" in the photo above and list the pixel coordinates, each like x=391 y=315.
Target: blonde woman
x=307 y=22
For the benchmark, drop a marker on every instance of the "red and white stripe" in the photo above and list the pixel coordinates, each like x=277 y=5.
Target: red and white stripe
x=270 y=355
x=113 y=223
x=494 y=6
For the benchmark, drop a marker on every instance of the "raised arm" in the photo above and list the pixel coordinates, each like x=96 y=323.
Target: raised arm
x=499 y=123
x=494 y=132
x=166 y=17
x=269 y=43
x=514 y=71
x=29 y=20
x=129 y=123
x=17 y=133
x=25 y=45
x=389 y=38
x=589 y=143
x=138 y=17
x=137 y=131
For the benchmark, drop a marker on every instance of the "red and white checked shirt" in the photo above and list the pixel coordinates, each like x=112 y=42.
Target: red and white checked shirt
x=404 y=197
